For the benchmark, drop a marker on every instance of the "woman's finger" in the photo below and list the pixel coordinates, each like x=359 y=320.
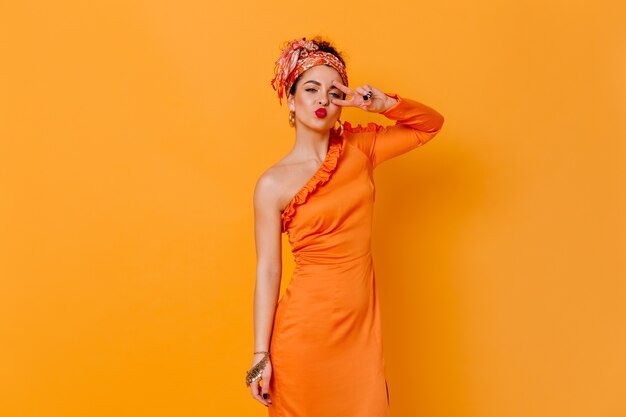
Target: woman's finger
x=256 y=392
x=375 y=91
x=265 y=390
x=343 y=88
x=372 y=89
x=343 y=103
x=361 y=91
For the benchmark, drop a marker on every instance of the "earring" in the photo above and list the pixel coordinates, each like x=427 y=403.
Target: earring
x=292 y=118
x=340 y=128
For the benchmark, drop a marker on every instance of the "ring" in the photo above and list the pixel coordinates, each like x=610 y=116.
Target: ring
x=367 y=96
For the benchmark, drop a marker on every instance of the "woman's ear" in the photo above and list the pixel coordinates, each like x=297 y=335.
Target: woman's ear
x=291 y=102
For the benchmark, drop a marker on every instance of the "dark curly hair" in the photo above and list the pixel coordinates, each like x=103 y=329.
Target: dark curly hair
x=325 y=46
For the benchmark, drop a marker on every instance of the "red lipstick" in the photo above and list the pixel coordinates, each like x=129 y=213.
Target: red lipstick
x=321 y=112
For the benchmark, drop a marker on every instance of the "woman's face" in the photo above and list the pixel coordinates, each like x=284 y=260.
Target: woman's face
x=314 y=90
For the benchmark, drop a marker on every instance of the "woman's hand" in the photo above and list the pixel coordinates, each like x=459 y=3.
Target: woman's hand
x=266 y=375
x=378 y=101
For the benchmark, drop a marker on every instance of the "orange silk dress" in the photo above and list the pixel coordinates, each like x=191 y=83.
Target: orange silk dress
x=326 y=344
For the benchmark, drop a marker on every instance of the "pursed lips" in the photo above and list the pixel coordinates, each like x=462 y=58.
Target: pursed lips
x=321 y=112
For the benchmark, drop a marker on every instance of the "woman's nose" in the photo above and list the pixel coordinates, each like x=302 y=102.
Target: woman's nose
x=323 y=100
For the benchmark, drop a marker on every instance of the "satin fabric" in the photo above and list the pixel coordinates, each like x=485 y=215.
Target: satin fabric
x=326 y=345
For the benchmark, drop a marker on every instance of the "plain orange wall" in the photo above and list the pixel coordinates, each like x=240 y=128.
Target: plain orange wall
x=132 y=133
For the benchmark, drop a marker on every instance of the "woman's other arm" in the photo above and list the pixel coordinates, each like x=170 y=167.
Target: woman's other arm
x=267 y=231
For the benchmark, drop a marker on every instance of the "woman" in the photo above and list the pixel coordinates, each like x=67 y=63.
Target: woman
x=318 y=351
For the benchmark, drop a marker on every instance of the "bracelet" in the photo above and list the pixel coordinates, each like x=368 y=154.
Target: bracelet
x=255 y=372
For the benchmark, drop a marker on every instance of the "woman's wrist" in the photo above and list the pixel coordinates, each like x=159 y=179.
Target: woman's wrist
x=389 y=103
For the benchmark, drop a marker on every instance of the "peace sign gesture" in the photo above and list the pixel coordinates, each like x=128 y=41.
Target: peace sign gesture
x=367 y=98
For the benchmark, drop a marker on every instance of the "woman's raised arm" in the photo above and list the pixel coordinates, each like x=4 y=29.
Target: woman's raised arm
x=416 y=123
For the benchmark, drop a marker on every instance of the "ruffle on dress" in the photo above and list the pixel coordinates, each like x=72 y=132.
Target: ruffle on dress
x=323 y=174
x=371 y=127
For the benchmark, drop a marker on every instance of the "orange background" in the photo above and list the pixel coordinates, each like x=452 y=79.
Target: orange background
x=132 y=133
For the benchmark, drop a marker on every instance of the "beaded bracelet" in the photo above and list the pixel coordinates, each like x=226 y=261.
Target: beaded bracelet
x=255 y=372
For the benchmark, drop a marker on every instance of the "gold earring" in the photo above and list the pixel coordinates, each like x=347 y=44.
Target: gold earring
x=340 y=128
x=292 y=118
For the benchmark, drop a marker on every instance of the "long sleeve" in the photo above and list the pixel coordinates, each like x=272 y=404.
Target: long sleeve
x=415 y=125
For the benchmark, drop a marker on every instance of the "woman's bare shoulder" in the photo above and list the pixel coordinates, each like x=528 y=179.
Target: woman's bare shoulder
x=271 y=184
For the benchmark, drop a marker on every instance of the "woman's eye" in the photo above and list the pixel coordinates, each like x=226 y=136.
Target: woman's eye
x=311 y=89
x=334 y=95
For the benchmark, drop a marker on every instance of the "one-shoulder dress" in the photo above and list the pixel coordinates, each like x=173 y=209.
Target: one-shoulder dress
x=326 y=344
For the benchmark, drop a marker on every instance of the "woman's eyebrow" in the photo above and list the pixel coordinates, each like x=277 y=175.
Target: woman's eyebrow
x=318 y=83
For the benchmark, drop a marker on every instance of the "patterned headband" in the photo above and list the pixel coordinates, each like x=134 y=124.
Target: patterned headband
x=298 y=56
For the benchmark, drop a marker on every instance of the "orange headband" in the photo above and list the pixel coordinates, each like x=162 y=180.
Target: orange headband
x=298 y=56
